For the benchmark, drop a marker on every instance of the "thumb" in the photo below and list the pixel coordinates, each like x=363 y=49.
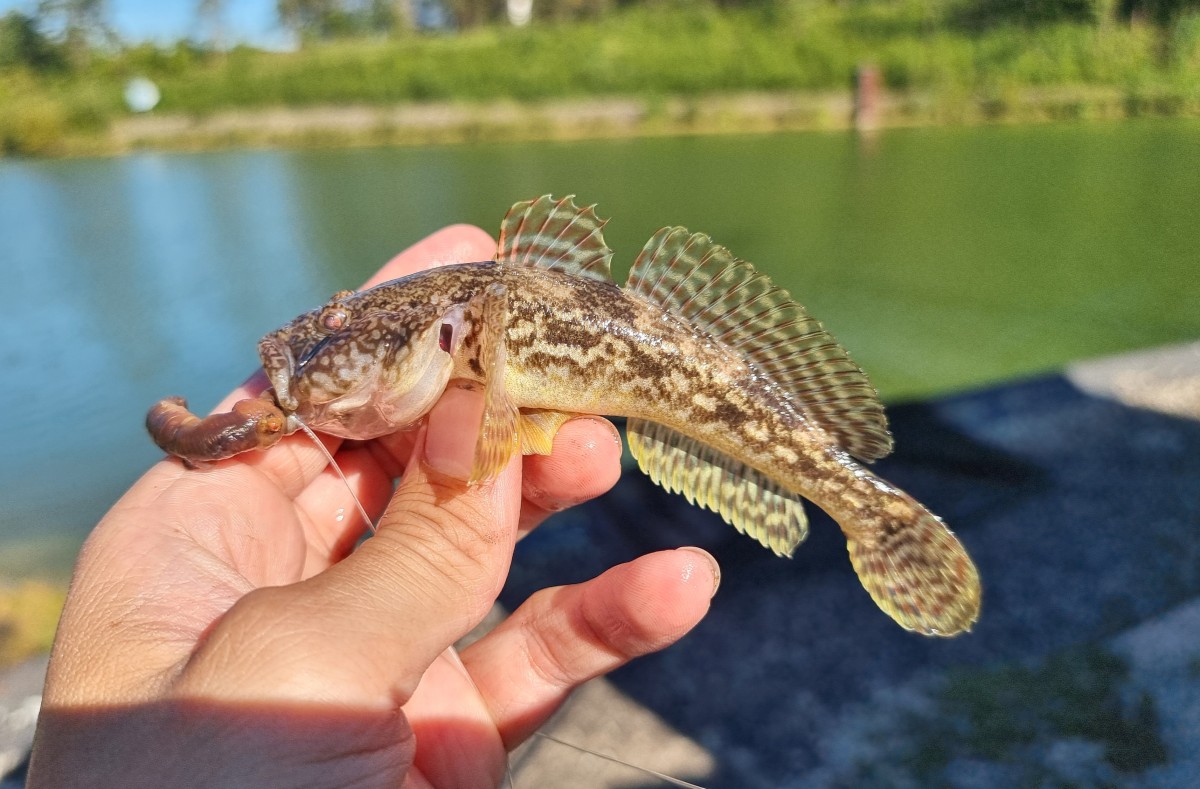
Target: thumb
x=366 y=629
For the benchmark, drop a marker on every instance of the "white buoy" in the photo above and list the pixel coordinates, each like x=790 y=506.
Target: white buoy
x=141 y=95
x=520 y=12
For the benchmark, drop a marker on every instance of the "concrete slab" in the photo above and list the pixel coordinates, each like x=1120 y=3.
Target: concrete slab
x=1165 y=379
x=20 y=701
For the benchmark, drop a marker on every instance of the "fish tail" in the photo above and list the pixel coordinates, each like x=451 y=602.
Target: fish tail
x=914 y=567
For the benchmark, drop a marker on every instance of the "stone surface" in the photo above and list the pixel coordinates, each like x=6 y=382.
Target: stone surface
x=1163 y=379
x=20 y=700
x=1164 y=657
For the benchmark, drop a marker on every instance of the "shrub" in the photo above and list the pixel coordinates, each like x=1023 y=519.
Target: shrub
x=984 y=14
x=28 y=615
x=32 y=125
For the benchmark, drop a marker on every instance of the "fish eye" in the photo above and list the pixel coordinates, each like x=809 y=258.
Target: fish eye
x=333 y=318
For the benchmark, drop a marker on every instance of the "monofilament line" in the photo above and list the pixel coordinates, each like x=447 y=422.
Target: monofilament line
x=361 y=509
x=647 y=771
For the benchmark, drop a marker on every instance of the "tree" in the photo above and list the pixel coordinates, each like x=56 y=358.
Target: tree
x=305 y=18
x=571 y=9
x=79 y=24
x=316 y=19
x=1161 y=12
x=984 y=14
x=384 y=16
x=22 y=44
x=469 y=13
x=210 y=18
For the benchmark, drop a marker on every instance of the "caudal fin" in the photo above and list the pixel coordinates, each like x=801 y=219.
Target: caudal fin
x=916 y=570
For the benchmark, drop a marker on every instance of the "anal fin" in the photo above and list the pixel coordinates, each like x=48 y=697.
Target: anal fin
x=743 y=497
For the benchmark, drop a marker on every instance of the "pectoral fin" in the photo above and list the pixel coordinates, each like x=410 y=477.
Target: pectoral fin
x=498 y=432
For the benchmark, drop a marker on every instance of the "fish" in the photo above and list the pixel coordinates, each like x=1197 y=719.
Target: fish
x=734 y=396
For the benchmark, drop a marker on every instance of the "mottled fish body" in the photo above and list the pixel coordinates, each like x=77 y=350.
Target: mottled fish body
x=734 y=395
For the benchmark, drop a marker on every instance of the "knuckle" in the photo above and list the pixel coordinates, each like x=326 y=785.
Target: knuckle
x=573 y=645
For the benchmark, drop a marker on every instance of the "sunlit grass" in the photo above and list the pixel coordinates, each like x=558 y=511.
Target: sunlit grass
x=28 y=616
x=686 y=52
x=1013 y=720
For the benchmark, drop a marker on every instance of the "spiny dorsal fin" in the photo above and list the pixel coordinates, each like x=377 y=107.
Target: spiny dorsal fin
x=557 y=235
x=747 y=500
x=705 y=284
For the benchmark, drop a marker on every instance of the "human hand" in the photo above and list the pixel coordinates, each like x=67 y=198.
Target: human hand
x=222 y=629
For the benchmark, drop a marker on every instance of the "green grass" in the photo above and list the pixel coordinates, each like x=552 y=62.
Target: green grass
x=28 y=617
x=997 y=714
x=689 y=52
x=693 y=50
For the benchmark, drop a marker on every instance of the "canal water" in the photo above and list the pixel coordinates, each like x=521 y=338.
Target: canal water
x=944 y=259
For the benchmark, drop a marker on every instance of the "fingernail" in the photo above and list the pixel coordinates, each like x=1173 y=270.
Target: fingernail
x=592 y=439
x=609 y=426
x=716 y=568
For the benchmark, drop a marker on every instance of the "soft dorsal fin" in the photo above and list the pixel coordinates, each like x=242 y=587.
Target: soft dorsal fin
x=557 y=235
x=702 y=282
x=743 y=497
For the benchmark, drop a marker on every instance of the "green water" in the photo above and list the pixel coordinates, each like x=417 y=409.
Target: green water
x=944 y=259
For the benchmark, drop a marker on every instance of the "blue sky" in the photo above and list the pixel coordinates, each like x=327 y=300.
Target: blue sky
x=167 y=20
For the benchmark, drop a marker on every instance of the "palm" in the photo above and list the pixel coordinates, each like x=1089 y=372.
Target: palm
x=271 y=520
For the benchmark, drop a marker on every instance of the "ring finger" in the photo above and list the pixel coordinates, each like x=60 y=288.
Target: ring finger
x=563 y=636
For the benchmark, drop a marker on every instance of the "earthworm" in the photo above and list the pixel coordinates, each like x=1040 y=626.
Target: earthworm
x=252 y=424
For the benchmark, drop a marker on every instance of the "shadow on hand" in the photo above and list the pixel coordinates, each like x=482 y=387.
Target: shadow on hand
x=192 y=742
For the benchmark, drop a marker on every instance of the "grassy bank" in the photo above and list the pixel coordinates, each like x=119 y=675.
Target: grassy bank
x=936 y=67
x=28 y=616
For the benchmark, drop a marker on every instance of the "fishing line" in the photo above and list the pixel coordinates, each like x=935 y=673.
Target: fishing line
x=452 y=655
x=607 y=758
x=361 y=509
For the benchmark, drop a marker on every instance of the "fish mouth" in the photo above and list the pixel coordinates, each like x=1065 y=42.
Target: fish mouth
x=280 y=367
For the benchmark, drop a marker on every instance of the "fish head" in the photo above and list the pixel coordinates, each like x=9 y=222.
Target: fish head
x=361 y=366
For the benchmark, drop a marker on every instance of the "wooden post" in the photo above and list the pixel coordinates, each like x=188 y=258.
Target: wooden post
x=867 y=88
